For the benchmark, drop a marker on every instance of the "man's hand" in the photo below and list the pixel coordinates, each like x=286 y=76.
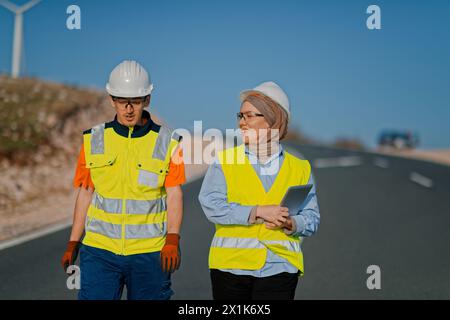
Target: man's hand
x=274 y=216
x=170 y=253
x=70 y=256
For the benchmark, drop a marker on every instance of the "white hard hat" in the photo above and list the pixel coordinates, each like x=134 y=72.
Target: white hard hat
x=273 y=91
x=129 y=79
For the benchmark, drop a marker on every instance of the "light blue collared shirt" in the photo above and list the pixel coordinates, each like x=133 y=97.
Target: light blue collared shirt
x=213 y=199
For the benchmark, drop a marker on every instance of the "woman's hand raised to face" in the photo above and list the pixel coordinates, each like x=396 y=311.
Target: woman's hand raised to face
x=275 y=215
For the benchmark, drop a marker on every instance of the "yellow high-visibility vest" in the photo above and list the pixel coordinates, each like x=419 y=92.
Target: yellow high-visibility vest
x=128 y=212
x=245 y=247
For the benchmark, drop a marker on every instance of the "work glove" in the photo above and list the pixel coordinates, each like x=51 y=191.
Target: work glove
x=170 y=253
x=70 y=256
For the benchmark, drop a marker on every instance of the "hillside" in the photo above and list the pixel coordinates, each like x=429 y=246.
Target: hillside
x=40 y=138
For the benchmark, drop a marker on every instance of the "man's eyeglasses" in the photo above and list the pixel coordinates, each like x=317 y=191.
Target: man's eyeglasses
x=247 y=115
x=127 y=101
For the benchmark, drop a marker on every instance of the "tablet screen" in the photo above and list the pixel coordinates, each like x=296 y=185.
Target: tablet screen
x=294 y=197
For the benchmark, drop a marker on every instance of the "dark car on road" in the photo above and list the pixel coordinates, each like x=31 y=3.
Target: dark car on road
x=398 y=139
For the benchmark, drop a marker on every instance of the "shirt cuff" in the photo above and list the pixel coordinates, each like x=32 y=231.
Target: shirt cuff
x=298 y=225
x=252 y=216
x=252 y=219
x=241 y=214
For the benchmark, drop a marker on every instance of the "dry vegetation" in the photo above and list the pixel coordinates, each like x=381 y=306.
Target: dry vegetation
x=40 y=137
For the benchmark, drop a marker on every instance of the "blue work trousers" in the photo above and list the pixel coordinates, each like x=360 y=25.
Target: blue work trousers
x=104 y=275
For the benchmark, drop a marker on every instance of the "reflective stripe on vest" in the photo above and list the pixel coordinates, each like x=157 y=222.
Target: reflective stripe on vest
x=106 y=204
x=244 y=243
x=244 y=247
x=253 y=243
x=114 y=231
x=162 y=144
x=109 y=230
x=97 y=139
x=144 y=231
x=146 y=206
x=132 y=206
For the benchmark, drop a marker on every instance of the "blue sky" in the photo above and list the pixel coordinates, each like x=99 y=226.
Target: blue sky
x=342 y=79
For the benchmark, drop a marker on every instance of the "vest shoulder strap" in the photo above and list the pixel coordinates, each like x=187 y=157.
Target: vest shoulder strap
x=232 y=155
x=94 y=139
x=166 y=142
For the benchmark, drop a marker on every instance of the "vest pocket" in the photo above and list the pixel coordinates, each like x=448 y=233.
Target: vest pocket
x=151 y=172
x=102 y=168
x=100 y=160
x=148 y=178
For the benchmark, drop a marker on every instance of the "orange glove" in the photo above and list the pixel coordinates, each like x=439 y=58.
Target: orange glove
x=170 y=253
x=70 y=256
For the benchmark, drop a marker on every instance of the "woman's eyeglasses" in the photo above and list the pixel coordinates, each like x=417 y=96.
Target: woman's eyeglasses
x=248 y=115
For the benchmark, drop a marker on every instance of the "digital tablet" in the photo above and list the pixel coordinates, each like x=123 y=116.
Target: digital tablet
x=294 y=197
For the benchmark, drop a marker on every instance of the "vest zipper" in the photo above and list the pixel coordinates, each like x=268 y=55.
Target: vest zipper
x=124 y=175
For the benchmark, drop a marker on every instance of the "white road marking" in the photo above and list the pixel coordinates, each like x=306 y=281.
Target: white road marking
x=34 y=235
x=349 y=161
x=421 y=180
x=381 y=162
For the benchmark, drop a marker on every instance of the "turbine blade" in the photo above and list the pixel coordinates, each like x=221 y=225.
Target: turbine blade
x=9 y=5
x=28 y=5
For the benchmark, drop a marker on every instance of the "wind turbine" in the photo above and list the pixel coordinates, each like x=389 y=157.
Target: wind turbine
x=18 y=33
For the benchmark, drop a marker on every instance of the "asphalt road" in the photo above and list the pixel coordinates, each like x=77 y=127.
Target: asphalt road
x=372 y=213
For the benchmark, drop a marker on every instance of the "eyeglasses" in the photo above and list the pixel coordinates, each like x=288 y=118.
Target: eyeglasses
x=127 y=101
x=248 y=115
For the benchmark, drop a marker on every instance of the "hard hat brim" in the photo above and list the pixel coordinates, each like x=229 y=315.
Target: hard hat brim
x=130 y=94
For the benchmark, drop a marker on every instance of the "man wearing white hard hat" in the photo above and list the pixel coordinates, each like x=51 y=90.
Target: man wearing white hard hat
x=129 y=207
x=256 y=250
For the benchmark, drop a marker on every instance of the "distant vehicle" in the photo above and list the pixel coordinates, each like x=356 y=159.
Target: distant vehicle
x=398 y=139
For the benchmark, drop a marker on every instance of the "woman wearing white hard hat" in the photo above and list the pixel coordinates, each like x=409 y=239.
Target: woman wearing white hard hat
x=256 y=250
